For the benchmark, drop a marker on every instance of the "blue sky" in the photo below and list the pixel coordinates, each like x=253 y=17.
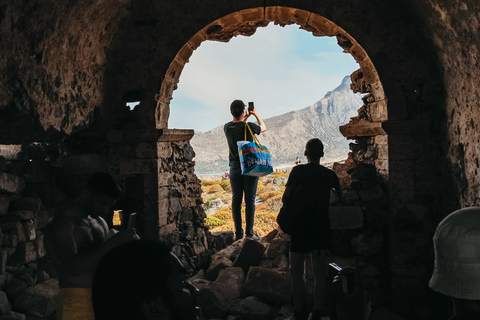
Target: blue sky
x=279 y=68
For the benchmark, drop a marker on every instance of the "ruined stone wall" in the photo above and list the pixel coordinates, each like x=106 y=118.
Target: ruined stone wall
x=28 y=196
x=453 y=26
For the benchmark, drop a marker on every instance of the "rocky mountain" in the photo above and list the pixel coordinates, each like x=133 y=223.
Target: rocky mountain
x=287 y=134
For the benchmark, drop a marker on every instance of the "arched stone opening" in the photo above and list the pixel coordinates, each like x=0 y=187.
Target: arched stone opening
x=365 y=175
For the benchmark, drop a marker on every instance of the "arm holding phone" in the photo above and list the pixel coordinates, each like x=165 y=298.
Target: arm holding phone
x=252 y=110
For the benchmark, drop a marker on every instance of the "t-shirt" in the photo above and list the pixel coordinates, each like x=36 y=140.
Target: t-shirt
x=235 y=131
x=310 y=184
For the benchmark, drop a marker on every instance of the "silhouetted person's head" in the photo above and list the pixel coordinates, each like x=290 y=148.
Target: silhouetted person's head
x=142 y=280
x=236 y=108
x=314 y=150
x=101 y=192
x=457 y=260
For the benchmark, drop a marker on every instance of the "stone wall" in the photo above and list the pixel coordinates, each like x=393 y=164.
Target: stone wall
x=27 y=277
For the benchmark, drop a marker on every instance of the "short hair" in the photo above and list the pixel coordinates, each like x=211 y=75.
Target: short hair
x=128 y=275
x=314 y=149
x=236 y=108
x=103 y=184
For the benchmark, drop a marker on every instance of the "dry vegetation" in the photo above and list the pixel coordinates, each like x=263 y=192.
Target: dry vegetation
x=217 y=198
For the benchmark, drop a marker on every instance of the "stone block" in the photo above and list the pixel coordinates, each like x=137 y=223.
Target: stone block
x=145 y=150
x=165 y=179
x=233 y=278
x=15 y=316
x=29 y=229
x=3 y=260
x=5 y=306
x=10 y=183
x=346 y=218
x=19 y=215
x=277 y=247
x=24 y=253
x=4 y=204
x=218 y=263
x=367 y=244
x=215 y=299
x=3 y=164
x=43 y=218
x=271 y=285
x=164 y=149
x=26 y=203
x=250 y=255
x=223 y=239
x=252 y=309
x=9 y=240
x=39 y=300
x=167 y=229
x=370 y=194
x=14 y=287
x=19 y=231
x=39 y=243
x=138 y=166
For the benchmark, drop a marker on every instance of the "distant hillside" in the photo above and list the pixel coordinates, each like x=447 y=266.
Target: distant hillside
x=287 y=134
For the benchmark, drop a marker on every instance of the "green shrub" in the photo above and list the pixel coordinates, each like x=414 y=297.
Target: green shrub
x=213 y=222
x=225 y=184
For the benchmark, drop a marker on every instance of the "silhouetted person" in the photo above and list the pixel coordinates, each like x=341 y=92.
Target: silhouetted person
x=76 y=239
x=457 y=262
x=143 y=280
x=240 y=184
x=308 y=187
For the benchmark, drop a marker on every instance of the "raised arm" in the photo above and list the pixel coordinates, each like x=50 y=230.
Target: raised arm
x=262 y=125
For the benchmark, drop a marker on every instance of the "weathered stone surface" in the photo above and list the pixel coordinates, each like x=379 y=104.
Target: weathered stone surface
x=14 y=316
x=216 y=299
x=252 y=309
x=223 y=239
x=3 y=164
x=368 y=244
x=233 y=278
x=24 y=253
x=26 y=203
x=4 y=204
x=15 y=286
x=18 y=216
x=217 y=264
x=5 y=306
x=270 y=285
x=346 y=218
x=39 y=300
x=277 y=247
x=10 y=183
x=250 y=255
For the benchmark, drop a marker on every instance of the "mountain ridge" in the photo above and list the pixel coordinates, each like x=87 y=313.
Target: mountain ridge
x=287 y=133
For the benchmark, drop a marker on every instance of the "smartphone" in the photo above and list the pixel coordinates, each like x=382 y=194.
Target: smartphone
x=250 y=106
x=132 y=219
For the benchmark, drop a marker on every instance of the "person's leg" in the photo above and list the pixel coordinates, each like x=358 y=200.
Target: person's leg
x=297 y=271
x=319 y=264
x=236 y=183
x=250 y=187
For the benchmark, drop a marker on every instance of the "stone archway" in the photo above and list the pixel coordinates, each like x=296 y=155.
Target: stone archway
x=245 y=22
x=369 y=158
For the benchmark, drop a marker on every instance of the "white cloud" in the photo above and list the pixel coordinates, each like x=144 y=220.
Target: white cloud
x=271 y=68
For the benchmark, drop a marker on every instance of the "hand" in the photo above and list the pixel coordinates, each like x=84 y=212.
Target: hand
x=125 y=235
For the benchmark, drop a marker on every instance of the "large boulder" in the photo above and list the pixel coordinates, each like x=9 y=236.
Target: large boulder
x=271 y=285
x=250 y=255
x=39 y=300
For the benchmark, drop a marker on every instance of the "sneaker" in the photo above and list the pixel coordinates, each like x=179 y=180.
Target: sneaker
x=253 y=236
